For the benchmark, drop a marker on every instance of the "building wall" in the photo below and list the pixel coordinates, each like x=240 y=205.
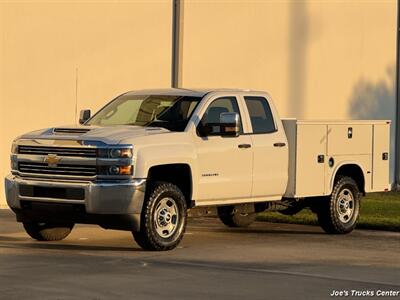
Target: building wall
x=107 y=48
x=318 y=59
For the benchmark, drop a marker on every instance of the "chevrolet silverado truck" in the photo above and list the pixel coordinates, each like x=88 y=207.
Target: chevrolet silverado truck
x=148 y=157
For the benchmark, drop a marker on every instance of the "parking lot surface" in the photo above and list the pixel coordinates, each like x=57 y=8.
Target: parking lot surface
x=264 y=261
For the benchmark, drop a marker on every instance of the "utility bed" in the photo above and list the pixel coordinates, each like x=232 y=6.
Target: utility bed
x=317 y=149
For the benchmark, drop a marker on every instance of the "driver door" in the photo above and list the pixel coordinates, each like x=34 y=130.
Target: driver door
x=224 y=163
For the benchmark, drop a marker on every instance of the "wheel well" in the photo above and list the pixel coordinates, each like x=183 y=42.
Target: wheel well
x=178 y=174
x=355 y=172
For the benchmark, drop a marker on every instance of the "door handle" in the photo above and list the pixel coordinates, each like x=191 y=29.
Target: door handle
x=244 y=146
x=279 y=145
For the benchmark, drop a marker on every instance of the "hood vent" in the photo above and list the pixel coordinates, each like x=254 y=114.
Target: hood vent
x=70 y=130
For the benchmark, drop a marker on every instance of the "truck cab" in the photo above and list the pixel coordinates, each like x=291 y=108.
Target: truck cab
x=237 y=168
x=148 y=157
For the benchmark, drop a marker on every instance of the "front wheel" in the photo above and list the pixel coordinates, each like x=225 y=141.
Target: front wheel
x=339 y=212
x=163 y=219
x=47 y=231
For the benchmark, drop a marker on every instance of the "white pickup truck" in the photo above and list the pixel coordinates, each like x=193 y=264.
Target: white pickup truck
x=149 y=156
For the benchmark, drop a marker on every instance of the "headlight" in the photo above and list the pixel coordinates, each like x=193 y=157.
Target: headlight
x=113 y=170
x=116 y=170
x=116 y=153
x=14 y=148
x=118 y=161
x=120 y=170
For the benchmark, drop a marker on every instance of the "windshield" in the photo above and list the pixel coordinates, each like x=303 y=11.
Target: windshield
x=170 y=112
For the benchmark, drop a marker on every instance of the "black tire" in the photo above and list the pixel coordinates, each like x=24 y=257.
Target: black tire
x=47 y=231
x=232 y=217
x=152 y=235
x=333 y=215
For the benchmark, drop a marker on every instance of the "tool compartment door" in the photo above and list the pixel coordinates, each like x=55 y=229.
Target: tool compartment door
x=345 y=139
x=310 y=171
x=380 y=162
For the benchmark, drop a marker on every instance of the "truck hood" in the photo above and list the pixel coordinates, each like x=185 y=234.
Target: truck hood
x=106 y=134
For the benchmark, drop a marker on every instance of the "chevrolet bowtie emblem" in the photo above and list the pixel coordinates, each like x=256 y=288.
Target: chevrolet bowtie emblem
x=52 y=160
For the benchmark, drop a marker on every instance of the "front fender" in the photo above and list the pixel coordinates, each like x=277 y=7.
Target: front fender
x=150 y=156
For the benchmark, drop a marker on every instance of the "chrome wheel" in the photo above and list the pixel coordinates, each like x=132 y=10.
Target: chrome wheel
x=345 y=205
x=166 y=217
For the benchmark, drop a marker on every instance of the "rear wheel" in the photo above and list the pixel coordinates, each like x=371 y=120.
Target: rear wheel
x=235 y=216
x=163 y=219
x=47 y=231
x=339 y=212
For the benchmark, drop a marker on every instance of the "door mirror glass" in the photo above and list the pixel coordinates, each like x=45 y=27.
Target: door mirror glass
x=84 y=116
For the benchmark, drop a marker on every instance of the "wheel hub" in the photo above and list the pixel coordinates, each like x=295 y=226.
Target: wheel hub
x=166 y=217
x=345 y=205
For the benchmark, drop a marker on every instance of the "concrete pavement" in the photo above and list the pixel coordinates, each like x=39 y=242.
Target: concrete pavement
x=265 y=261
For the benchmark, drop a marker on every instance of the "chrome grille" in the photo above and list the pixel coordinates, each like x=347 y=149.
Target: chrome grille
x=61 y=151
x=60 y=169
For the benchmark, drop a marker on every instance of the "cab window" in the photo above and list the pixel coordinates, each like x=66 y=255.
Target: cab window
x=260 y=114
x=218 y=106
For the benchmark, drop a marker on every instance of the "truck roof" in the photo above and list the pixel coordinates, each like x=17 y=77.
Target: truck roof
x=183 y=92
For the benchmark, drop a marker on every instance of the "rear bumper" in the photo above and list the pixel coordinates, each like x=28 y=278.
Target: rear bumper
x=117 y=198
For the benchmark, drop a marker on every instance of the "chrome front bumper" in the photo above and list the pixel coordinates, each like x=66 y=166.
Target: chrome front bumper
x=115 y=198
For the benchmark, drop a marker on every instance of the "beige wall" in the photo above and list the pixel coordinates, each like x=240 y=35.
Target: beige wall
x=114 y=47
x=318 y=59
x=312 y=56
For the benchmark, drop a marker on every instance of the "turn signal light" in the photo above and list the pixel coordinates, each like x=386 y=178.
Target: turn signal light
x=125 y=170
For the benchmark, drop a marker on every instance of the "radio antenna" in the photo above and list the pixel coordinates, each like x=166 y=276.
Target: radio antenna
x=76 y=95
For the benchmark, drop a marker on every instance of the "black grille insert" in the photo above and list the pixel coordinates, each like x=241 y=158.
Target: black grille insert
x=71 y=170
x=52 y=192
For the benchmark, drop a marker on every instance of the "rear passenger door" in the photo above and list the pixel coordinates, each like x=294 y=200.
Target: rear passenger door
x=270 y=149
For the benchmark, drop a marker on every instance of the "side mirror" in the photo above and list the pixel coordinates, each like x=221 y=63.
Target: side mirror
x=229 y=124
x=84 y=116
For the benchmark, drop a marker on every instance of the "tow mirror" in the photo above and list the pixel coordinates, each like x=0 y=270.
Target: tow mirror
x=228 y=126
x=84 y=116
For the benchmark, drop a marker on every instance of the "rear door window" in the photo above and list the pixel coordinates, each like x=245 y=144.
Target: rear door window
x=260 y=114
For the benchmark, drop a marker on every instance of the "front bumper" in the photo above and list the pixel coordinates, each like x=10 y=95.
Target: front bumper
x=106 y=198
